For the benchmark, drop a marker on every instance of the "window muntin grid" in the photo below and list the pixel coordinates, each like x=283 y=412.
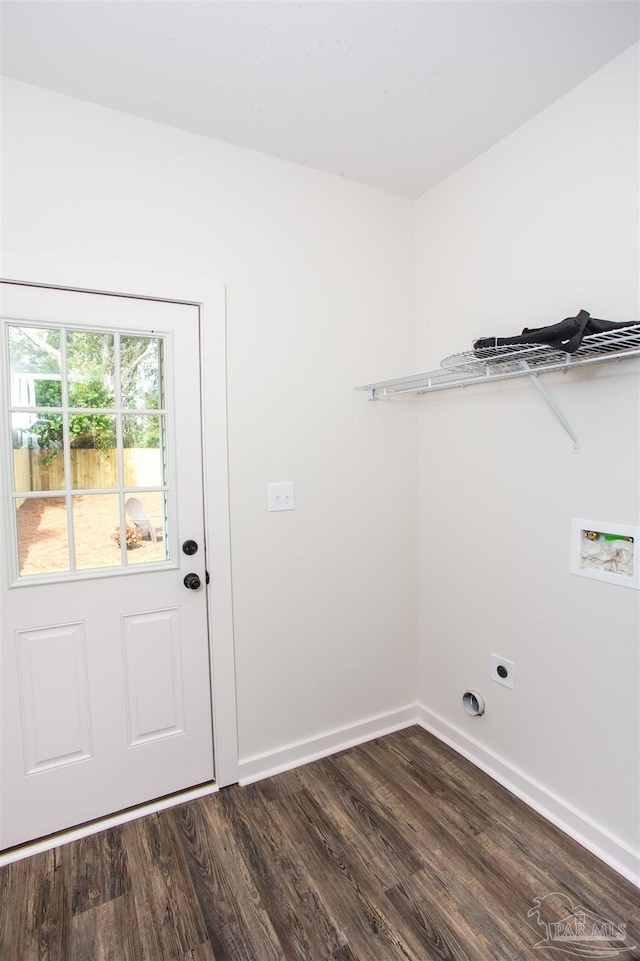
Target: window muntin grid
x=88 y=429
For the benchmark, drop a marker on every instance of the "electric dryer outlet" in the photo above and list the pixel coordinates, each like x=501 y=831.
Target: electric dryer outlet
x=503 y=671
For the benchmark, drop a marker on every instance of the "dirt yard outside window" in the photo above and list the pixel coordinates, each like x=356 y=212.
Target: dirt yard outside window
x=43 y=540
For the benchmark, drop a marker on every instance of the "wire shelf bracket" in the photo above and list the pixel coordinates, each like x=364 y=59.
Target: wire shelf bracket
x=556 y=410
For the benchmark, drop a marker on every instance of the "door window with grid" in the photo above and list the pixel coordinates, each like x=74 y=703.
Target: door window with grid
x=88 y=461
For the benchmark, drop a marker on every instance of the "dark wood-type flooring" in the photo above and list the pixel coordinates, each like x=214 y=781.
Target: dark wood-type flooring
x=397 y=849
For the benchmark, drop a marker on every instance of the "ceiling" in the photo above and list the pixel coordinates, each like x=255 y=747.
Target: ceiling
x=393 y=94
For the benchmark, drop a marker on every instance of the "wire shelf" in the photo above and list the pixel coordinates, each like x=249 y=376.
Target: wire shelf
x=502 y=363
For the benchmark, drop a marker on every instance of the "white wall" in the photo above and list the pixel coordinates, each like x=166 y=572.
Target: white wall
x=544 y=223
x=319 y=279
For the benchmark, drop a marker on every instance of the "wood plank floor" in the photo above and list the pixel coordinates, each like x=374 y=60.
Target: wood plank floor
x=398 y=849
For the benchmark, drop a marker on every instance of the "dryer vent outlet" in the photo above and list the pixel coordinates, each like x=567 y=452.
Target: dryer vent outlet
x=473 y=703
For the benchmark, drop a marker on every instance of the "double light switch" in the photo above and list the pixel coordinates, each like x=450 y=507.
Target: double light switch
x=280 y=496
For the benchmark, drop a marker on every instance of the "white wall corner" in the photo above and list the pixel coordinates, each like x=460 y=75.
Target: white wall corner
x=596 y=839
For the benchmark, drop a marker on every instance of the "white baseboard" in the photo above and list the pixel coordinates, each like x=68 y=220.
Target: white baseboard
x=596 y=839
x=302 y=752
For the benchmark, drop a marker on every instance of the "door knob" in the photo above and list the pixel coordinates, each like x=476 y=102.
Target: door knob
x=192 y=581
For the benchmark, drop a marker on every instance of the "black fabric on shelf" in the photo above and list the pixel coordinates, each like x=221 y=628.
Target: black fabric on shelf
x=566 y=335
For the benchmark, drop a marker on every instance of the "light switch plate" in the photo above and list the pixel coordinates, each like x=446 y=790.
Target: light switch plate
x=280 y=496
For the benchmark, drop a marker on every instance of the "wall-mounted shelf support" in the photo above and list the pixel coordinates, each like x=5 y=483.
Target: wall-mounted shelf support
x=558 y=413
x=506 y=363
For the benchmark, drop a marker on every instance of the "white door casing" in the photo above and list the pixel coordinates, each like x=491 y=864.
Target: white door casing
x=106 y=683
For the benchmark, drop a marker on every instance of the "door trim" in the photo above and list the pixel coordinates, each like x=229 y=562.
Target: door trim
x=209 y=296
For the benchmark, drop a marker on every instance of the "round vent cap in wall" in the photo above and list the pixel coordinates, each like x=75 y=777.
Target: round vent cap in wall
x=473 y=703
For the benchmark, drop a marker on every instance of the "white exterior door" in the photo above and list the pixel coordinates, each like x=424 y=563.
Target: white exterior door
x=106 y=694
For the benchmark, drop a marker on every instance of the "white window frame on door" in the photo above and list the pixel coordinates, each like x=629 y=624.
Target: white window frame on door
x=16 y=577
x=210 y=298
